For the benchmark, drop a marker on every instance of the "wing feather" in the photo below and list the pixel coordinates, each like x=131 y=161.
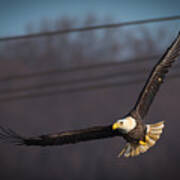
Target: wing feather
x=156 y=78
x=66 y=137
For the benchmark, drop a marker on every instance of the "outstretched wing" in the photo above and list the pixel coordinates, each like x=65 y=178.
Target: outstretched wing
x=67 y=137
x=156 y=79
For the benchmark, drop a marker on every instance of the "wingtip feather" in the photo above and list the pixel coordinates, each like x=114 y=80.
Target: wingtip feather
x=9 y=136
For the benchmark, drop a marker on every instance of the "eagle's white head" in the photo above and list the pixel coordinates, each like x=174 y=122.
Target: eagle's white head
x=125 y=125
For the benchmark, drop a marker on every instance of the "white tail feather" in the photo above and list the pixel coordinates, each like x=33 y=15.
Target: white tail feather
x=153 y=133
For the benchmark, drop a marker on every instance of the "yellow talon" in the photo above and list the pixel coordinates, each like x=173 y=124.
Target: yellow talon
x=142 y=142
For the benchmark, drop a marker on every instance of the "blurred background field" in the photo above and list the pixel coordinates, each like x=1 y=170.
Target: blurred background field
x=76 y=80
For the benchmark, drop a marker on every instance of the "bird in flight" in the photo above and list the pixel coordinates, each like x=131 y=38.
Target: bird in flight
x=139 y=136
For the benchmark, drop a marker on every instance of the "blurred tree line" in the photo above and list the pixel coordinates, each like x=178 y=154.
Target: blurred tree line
x=82 y=48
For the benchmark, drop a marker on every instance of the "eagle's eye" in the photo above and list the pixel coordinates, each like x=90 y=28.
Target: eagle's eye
x=121 y=123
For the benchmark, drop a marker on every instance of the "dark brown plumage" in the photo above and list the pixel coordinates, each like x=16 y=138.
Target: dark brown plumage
x=156 y=79
x=141 y=133
x=66 y=137
x=138 y=133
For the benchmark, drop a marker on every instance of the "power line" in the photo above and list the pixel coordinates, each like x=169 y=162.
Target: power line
x=70 y=82
x=90 y=28
x=76 y=69
x=79 y=89
x=96 y=79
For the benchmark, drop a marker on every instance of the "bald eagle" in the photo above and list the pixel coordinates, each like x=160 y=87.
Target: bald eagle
x=139 y=136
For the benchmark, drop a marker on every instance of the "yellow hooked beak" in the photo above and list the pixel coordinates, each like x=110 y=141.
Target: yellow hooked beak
x=115 y=126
